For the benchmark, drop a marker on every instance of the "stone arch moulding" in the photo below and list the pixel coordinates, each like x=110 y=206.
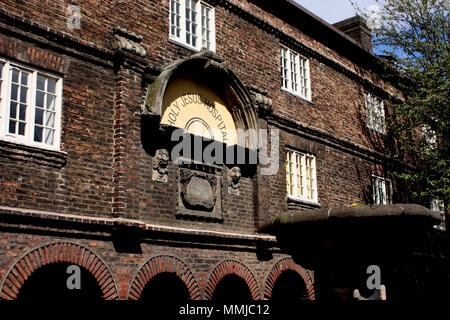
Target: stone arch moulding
x=160 y=264
x=286 y=264
x=54 y=253
x=207 y=66
x=232 y=267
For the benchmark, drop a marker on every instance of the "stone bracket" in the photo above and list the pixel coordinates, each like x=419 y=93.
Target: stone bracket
x=261 y=100
x=128 y=41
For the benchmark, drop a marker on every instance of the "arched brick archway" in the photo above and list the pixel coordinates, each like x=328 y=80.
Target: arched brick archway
x=160 y=264
x=284 y=265
x=56 y=253
x=232 y=267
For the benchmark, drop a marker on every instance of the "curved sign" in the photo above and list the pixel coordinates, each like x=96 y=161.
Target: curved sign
x=198 y=110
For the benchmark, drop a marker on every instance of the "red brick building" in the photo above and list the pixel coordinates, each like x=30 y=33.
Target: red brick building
x=86 y=177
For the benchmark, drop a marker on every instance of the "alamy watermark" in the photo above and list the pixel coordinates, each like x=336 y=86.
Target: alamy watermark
x=374 y=280
x=74 y=280
x=200 y=149
x=73 y=17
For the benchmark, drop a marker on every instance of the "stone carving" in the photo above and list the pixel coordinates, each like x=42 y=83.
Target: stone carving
x=160 y=163
x=128 y=41
x=198 y=191
x=261 y=100
x=234 y=178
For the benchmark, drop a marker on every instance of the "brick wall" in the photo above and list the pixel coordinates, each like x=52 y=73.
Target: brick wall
x=80 y=179
x=30 y=252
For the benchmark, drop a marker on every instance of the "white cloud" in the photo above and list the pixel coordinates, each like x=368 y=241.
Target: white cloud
x=373 y=12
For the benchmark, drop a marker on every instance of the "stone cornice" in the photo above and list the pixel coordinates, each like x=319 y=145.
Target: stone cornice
x=325 y=138
x=112 y=224
x=30 y=31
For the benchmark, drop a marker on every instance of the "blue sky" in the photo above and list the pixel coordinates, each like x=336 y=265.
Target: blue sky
x=334 y=10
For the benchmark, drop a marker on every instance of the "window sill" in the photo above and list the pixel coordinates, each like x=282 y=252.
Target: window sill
x=186 y=46
x=17 y=141
x=23 y=152
x=297 y=95
x=297 y=203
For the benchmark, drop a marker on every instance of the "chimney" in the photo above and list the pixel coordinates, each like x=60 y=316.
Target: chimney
x=356 y=27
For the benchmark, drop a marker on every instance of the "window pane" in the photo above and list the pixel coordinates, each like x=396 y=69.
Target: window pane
x=21 y=128
x=50 y=102
x=24 y=78
x=388 y=192
x=39 y=116
x=14 y=89
x=13 y=110
x=15 y=76
x=38 y=134
x=40 y=85
x=51 y=85
x=49 y=119
x=23 y=110
x=48 y=136
x=12 y=126
x=40 y=99
x=23 y=94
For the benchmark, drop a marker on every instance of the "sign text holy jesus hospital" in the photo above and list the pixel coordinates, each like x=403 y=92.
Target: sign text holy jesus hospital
x=180 y=105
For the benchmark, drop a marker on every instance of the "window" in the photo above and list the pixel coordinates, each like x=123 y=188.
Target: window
x=381 y=190
x=295 y=73
x=192 y=24
x=301 y=176
x=375 y=113
x=30 y=106
x=437 y=205
x=430 y=137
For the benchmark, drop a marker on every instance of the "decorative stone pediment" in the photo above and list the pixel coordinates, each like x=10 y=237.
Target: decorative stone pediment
x=216 y=99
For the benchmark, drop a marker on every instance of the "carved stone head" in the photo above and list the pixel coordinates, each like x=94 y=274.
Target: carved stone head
x=234 y=178
x=160 y=165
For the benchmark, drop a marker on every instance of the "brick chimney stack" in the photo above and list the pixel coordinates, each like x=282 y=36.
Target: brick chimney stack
x=356 y=27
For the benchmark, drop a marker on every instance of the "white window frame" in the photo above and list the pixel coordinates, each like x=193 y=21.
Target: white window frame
x=181 y=39
x=383 y=197
x=375 y=113
x=300 y=181
x=298 y=81
x=437 y=205
x=5 y=91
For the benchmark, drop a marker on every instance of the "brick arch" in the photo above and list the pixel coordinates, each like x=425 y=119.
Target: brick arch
x=228 y=267
x=160 y=264
x=55 y=253
x=286 y=264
